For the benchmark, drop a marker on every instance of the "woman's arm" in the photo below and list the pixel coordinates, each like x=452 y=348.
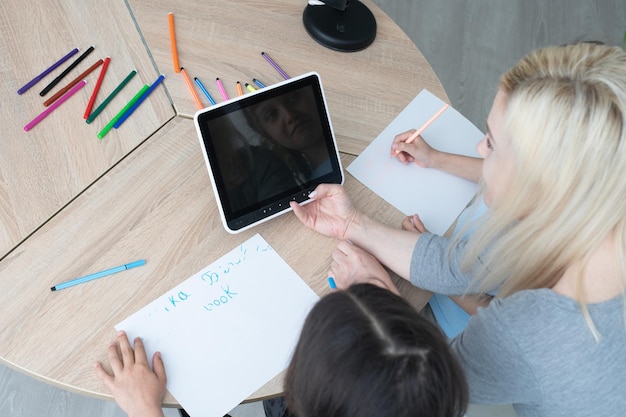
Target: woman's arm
x=425 y=156
x=331 y=213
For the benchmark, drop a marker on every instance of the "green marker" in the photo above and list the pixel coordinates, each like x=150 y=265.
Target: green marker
x=107 y=100
x=108 y=127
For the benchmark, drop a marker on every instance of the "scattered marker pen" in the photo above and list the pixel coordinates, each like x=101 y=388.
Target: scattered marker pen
x=331 y=283
x=204 y=90
x=220 y=85
x=54 y=105
x=47 y=71
x=259 y=83
x=275 y=65
x=107 y=100
x=97 y=275
x=141 y=99
x=66 y=71
x=132 y=101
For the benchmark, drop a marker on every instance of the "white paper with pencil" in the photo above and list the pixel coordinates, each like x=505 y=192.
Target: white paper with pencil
x=436 y=196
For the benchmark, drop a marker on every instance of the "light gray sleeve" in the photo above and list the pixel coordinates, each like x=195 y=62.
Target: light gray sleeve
x=495 y=366
x=435 y=268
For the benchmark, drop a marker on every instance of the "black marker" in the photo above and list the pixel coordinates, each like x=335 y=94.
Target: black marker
x=67 y=71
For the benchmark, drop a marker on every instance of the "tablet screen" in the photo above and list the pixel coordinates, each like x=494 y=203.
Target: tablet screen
x=266 y=148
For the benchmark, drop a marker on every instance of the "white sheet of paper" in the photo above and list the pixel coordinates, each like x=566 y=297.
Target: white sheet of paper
x=228 y=329
x=437 y=197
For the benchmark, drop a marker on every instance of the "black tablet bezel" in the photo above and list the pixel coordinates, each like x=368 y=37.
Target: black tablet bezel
x=235 y=222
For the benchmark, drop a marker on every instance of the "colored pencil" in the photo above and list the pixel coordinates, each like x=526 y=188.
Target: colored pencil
x=132 y=101
x=222 y=89
x=92 y=100
x=73 y=65
x=204 y=90
x=239 y=89
x=72 y=83
x=191 y=89
x=170 y=18
x=50 y=109
x=46 y=72
x=275 y=65
x=428 y=123
x=139 y=101
x=107 y=100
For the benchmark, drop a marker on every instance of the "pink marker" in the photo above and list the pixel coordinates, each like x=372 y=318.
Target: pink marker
x=221 y=87
x=54 y=105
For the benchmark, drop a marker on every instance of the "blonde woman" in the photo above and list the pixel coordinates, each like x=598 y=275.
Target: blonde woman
x=553 y=341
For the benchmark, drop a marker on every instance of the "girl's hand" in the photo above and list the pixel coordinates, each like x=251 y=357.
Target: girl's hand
x=351 y=265
x=137 y=389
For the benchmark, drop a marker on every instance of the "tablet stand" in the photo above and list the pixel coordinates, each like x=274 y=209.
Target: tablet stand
x=342 y=25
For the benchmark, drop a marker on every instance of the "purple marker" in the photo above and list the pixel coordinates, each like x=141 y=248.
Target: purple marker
x=275 y=65
x=46 y=72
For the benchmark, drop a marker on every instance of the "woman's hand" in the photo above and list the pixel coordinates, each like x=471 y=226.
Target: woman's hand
x=331 y=212
x=137 y=389
x=352 y=265
x=413 y=224
x=417 y=151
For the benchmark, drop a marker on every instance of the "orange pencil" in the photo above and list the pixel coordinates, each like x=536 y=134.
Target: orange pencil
x=72 y=84
x=191 y=89
x=92 y=100
x=170 y=17
x=428 y=123
x=239 y=89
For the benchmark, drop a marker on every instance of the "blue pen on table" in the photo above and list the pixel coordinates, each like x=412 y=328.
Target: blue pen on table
x=138 y=102
x=97 y=275
x=331 y=283
x=204 y=90
x=259 y=83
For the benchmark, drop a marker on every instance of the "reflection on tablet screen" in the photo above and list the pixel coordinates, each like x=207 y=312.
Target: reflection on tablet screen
x=267 y=148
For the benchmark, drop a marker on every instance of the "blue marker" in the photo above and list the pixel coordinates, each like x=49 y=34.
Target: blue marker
x=259 y=83
x=139 y=101
x=332 y=284
x=204 y=90
x=98 y=275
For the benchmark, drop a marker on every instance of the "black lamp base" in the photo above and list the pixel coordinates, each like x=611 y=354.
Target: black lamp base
x=350 y=30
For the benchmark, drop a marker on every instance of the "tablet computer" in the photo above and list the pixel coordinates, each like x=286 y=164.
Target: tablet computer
x=267 y=148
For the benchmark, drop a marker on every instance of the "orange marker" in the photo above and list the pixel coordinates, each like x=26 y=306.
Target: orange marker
x=72 y=84
x=173 y=42
x=191 y=89
x=92 y=100
x=239 y=89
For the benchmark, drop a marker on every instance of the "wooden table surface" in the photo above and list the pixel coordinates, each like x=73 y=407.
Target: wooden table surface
x=45 y=168
x=365 y=90
x=72 y=204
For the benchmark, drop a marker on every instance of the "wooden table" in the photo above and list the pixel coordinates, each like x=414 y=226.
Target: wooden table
x=144 y=192
x=365 y=90
x=45 y=168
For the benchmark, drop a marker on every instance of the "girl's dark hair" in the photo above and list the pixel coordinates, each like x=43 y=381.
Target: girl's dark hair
x=366 y=352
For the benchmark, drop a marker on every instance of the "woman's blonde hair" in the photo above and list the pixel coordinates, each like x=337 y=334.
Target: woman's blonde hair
x=565 y=116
